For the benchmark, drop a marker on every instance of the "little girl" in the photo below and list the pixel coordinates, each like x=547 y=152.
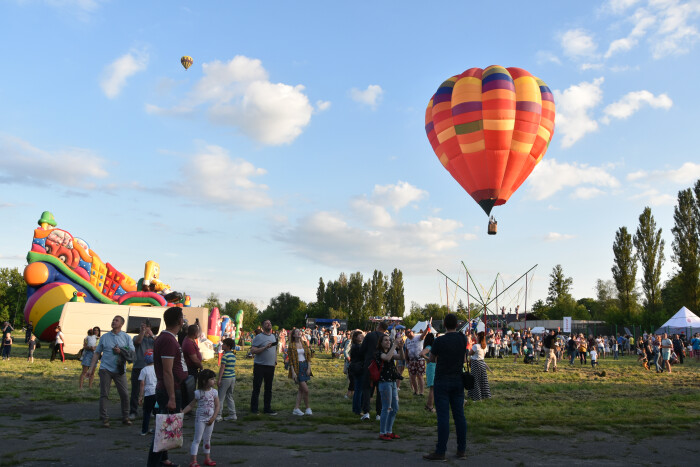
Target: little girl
x=594 y=357
x=207 y=400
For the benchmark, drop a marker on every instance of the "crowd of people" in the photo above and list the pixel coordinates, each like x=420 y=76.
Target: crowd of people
x=168 y=375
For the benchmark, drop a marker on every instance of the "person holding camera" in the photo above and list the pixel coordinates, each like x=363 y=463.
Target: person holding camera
x=263 y=348
x=112 y=368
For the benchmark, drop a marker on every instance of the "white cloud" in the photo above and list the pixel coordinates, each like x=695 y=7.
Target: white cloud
x=586 y=192
x=544 y=56
x=578 y=43
x=370 y=96
x=654 y=197
x=70 y=167
x=591 y=66
x=619 y=6
x=323 y=105
x=550 y=177
x=397 y=196
x=326 y=238
x=212 y=176
x=115 y=74
x=557 y=237
x=573 y=106
x=238 y=93
x=370 y=238
x=632 y=102
x=685 y=174
x=642 y=21
x=675 y=35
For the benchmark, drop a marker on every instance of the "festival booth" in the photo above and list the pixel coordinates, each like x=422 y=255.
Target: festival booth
x=538 y=330
x=683 y=322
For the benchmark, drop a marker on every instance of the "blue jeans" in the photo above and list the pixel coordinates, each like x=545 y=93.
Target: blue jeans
x=449 y=394
x=655 y=358
x=357 y=396
x=390 y=406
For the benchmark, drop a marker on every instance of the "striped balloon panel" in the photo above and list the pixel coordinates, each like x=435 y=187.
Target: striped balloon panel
x=489 y=128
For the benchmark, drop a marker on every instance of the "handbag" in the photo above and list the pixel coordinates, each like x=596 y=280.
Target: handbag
x=467 y=379
x=168 y=432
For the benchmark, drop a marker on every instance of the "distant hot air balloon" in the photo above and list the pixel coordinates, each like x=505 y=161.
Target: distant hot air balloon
x=490 y=128
x=186 y=61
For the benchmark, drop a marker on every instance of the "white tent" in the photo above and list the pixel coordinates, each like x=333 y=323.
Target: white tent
x=684 y=321
x=538 y=330
x=421 y=326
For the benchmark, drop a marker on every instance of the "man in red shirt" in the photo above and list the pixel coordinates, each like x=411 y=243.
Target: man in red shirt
x=171 y=371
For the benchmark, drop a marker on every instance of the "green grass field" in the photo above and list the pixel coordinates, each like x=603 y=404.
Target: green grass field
x=627 y=400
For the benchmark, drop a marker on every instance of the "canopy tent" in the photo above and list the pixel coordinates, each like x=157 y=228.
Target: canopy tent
x=538 y=330
x=685 y=321
x=421 y=326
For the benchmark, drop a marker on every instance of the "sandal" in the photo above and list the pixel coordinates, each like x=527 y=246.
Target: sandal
x=209 y=462
x=194 y=464
x=430 y=409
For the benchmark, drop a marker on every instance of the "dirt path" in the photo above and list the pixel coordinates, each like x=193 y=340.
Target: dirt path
x=69 y=434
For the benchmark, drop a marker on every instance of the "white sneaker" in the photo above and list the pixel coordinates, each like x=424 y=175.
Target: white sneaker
x=378 y=418
x=365 y=417
x=218 y=419
x=308 y=411
x=231 y=418
x=297 y=412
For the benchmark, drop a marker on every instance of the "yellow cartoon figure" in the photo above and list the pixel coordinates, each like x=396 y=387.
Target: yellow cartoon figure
x=152 y=283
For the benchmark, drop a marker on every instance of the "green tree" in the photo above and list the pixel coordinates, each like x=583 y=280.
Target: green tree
x=213 y=302
x=356 y=301
x=13 y=296
x=251 y=314
x=650 y=253
x=377 y=287
x=559 y=285
x=320 y=299
x=624 y=272
x=394 y=298
x=686 y=247
x=285 y=310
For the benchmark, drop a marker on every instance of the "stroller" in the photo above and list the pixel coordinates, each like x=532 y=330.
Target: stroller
x=529 y=355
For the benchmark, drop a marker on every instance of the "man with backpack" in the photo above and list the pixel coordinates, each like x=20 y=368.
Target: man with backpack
x=369 y=346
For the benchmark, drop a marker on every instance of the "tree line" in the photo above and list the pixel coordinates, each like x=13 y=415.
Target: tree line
x=638 y=260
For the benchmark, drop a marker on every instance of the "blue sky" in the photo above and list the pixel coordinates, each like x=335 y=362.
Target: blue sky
x=294 y=146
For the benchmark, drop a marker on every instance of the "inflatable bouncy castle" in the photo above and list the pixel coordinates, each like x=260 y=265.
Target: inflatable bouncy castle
x=63 y=268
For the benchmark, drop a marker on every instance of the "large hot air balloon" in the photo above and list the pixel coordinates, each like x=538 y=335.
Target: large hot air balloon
x=490 y=128
x=186 y=61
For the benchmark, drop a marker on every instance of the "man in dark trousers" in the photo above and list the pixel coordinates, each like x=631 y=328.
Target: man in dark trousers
x=369 y=346
x=171 y=371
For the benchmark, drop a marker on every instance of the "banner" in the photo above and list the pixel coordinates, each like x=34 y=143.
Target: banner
x=567 y=324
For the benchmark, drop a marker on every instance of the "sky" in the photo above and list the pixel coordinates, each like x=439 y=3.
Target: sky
x=294 y=147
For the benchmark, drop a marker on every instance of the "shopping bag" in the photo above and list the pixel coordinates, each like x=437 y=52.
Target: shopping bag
x=168 y=432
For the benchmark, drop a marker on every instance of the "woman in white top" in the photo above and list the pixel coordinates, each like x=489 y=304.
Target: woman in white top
x=58 y=345
x=481 y=388
x=299 y=356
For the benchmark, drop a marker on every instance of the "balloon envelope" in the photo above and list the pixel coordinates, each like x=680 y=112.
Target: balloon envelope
x=186 y=61
x=490 y=128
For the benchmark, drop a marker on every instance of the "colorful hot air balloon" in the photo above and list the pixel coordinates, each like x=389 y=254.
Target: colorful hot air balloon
x=490 y=128
x=186 y=61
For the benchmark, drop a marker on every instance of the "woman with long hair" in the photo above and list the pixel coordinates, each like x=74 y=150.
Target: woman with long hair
x=481 y=389
x=299 y=355
x=356 y=369
x=384 y=357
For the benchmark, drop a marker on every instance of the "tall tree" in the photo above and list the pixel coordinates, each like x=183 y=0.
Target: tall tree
x=650 y=253
x=321 y=295
x=377 y=290
x=285 y=310
x=624 y=271
x=559 y=285
x=686 y=247
x=395 y=294
x=356 y=300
